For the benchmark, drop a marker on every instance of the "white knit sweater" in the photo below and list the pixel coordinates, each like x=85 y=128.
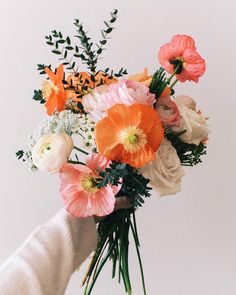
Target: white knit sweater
x=45 y=262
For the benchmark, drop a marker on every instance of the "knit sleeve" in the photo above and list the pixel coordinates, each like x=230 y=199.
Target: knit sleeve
x=45 y=262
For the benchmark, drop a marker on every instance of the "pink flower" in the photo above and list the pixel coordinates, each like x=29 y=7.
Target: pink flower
x=168 y=111
x=181 y=52
x=128 y=92
x=79 y=191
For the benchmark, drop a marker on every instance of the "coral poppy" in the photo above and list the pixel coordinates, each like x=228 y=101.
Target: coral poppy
x=130 y=134
x=181 y=52
x=53 y=91
x=79 y=191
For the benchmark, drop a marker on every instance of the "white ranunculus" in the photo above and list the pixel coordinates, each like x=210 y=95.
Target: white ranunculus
x=193 y=122
x=94 y=103
x=165 y=171
x=51 y=151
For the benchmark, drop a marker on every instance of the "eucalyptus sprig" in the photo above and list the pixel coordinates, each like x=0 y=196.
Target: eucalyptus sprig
x=61 y=46
x=134 y=184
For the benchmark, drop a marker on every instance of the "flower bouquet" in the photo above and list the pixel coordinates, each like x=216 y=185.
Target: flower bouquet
x=110 y=136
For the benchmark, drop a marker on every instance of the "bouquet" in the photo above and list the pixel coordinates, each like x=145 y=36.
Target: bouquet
x=109 y=135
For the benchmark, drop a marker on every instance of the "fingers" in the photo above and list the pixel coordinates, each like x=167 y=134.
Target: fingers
x=122 y=203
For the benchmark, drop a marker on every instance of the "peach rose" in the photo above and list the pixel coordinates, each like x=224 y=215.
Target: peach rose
x=168 y=111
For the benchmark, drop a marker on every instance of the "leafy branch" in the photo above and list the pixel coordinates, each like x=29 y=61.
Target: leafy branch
x=61 y=45
x=38 y=96
x=134 y=184
x=20 y=155
x=89 y=55
x=189 y=154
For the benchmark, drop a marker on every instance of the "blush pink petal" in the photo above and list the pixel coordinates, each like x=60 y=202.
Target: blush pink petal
x=128 y=92
x=104 y=201
x=183 y=42
x=73 y=174
x=97 y=162
x=80 y=202
x=168 y=111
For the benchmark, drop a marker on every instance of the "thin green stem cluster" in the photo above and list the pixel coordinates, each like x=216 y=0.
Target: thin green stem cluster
x=114 y=242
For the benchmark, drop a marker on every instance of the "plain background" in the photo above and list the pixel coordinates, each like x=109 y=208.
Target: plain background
x=189 y=240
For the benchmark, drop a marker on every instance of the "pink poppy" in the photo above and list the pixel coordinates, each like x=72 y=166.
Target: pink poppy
x=128 y=92
x=81 y=196
x=181 y=51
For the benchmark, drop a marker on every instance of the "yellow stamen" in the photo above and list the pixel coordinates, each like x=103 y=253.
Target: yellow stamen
x=89 y=184
x=133 y=139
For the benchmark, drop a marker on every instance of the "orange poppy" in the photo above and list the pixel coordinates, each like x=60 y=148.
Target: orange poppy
x=130 y=134
x=54 y=91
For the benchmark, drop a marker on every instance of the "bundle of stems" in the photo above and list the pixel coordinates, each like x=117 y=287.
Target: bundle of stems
x=114 y=232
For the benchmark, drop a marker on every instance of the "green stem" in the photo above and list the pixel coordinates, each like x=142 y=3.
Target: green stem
x=136 y=239
x=88 y=292
x=80 y=150
x=125 y=256
x=173 y=74
x=173 y=84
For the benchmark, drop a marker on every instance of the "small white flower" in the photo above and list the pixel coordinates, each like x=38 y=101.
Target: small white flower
x=165 y=171
x=52 y=151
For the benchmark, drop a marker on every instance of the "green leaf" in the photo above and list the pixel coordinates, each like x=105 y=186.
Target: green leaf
x=56 y=52
x=68 y=40
x=109 y=30
x=50 y=43
x=103 y=42
x=99 y=51
x=38 y=96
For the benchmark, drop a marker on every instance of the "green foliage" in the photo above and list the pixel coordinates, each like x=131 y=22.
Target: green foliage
x=20 y=155
x=87 y=51
x=90 y=54
x=61 y=46
x=38 y=96
x=134 y=184
x=159 y=82
x=41 y=68
x=189 y=154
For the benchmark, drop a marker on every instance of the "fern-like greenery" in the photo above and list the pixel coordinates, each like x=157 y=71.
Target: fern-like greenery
x=189 y=154
x=134 y=184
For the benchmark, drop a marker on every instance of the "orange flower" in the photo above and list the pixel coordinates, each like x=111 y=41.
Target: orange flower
x=130 y=134
x=78 y=81
x=143 y=78
x=53 y=91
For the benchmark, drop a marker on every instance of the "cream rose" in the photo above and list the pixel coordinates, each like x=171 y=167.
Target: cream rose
x=194 y=123
x=52 y=151
x=165 y=171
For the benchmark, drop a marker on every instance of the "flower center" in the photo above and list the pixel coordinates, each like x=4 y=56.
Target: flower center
x=46 y=148
x=178 y=64
x=133 y=139
x=89 y=184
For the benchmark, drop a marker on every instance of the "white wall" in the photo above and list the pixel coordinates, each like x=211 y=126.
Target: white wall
x=188 y=241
